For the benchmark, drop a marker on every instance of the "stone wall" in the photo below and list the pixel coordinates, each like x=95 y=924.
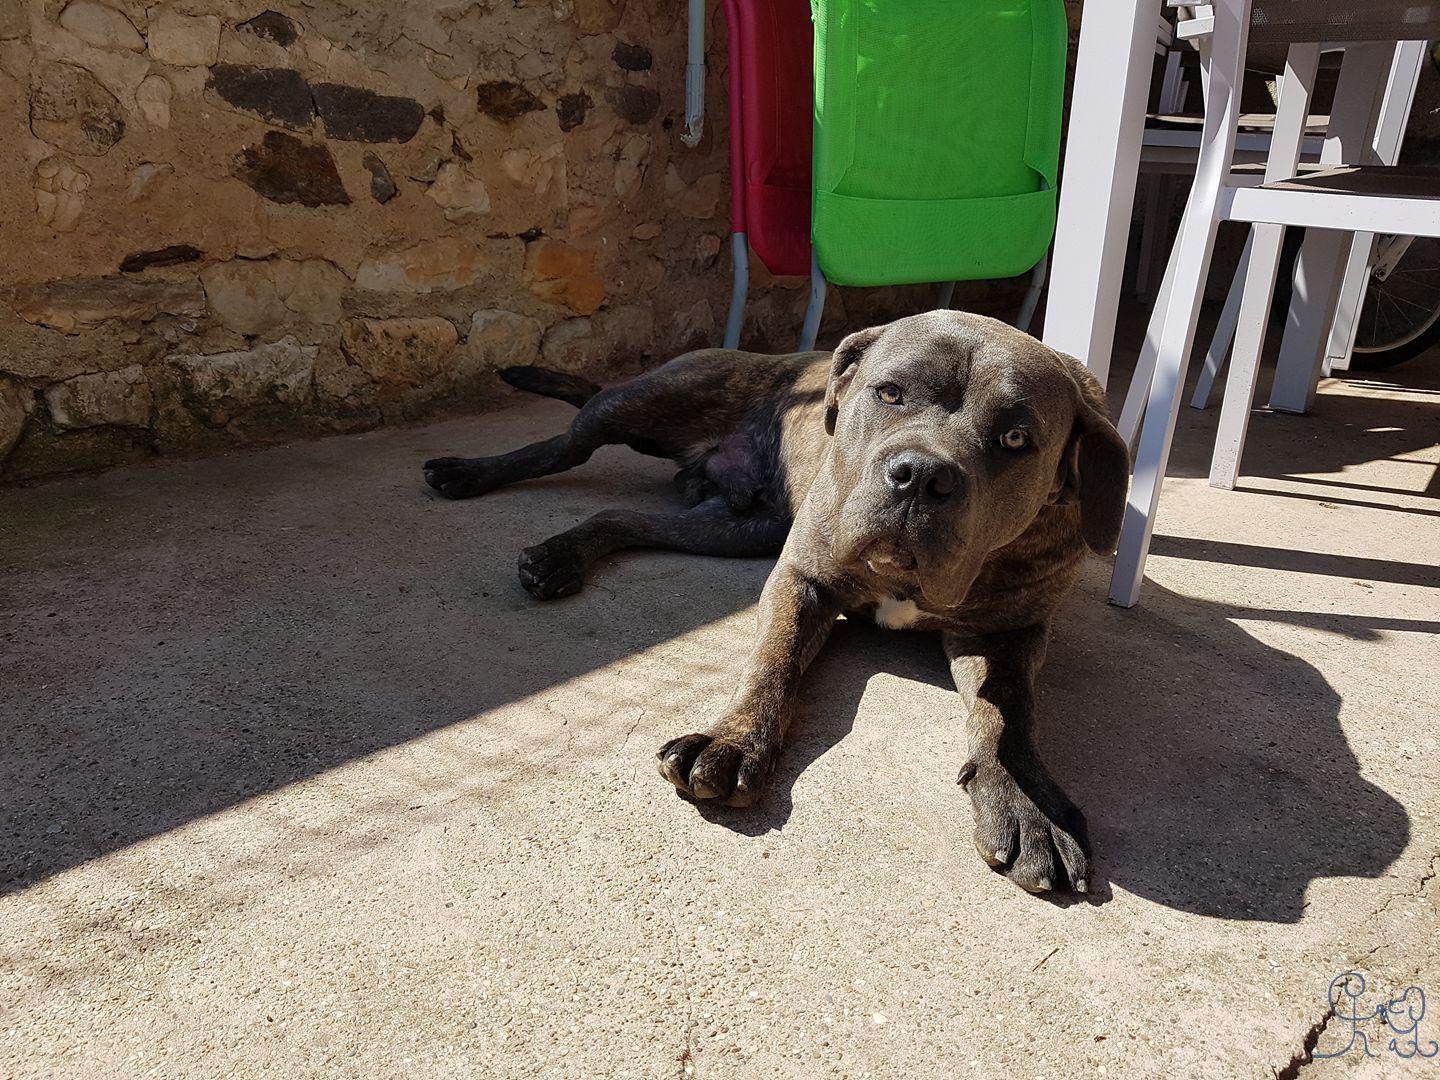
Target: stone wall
x=225 y=222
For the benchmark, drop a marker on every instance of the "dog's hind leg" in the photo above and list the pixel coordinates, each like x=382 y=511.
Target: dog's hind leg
x=558 y=566
x=600 y=422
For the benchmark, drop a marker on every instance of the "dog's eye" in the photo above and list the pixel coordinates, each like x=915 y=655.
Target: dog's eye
x=1015 y=439
x=889 y=394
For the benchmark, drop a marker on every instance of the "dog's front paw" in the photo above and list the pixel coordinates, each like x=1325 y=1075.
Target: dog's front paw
x=711 y=767
x=457 y=478
x=1029 y=831
x=551 y=570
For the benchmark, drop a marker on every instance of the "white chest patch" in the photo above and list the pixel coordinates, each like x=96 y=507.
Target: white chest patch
x=895 y=614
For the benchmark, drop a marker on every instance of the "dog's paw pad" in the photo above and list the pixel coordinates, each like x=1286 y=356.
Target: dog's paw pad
x=1041 y=848
x=549 y=571
x=456 y=478
x=707 y=768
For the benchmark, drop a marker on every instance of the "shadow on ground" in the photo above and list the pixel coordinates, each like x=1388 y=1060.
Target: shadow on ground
x=179 y=638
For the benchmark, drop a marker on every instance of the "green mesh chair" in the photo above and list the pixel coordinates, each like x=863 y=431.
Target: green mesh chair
x=937 y=141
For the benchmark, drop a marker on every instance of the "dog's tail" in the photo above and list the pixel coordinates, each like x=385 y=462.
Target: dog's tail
x=547 y=383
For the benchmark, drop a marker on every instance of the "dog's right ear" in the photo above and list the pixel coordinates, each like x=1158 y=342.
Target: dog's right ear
x=847 y=357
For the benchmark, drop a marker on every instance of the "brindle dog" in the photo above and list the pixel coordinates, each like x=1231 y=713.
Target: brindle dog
x=944 y=472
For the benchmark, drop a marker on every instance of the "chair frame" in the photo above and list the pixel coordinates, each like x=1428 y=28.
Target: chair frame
x=1216 y=196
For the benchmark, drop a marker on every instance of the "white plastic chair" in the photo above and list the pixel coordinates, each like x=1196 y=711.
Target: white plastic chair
x=1332 y=203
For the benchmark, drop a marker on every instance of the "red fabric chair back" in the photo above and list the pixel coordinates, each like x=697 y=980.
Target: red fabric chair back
x=771 y=87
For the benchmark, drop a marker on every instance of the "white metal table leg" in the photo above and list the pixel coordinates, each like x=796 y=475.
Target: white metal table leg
x=1320 y=267
x=1266 y=243
x=1102 y=158
x=1224 y=335
x=1395 y=109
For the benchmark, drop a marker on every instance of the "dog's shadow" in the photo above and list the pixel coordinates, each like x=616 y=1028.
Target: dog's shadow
x=1212 y=767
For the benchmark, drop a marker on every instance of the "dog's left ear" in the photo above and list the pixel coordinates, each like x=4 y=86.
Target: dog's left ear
x=1095 y=469
x=847 y=356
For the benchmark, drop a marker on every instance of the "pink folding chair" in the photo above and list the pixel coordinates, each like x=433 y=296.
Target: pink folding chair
x=770 y=140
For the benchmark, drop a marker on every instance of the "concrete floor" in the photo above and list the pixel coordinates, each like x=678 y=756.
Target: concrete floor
x=297 y=781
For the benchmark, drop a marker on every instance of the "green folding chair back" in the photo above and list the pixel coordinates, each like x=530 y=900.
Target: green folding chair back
x=937 y=137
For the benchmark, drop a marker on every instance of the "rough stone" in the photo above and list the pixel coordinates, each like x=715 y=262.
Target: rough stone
x=101 y=26
x=152 y=98
x=78 y=304
x=598 y=16
x=286 y=169
x=699 y=200
x=278 y=95
x=15 y=403
x=399 y=352
x=14 y=22
x=694 y=327
x=500 y=339
x=630 y=161
x=353 y=114
x=222 y=384
x=535 y=170
x=184 y=40
x=272 y=26
x=570 y=109
x=382 y=185
x=707 y=250
x=623 y=334
x=440 y=264
x=429 y=164
x=166 y=256
x=120 y=398
x=71 y=109
x=565 y=344
x=60 y=193
x=648 y=230
x=460 y=195
x=561 y=274
x=635 y=104
x=506 y=101
x=629 y=57
x=146 y=176
x=258 y=296
x=584 y=220
x=338 y=380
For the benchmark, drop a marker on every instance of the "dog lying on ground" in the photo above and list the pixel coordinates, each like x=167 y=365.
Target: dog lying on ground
x=944 y=472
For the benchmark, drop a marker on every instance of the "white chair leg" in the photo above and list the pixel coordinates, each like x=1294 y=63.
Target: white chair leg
x=1254 y=313
x=1139 y=392
x=1190 y=265
x=739 y=288
x=1177 y=335
x=1224 y=335
x=944 y=295
x=816 y=308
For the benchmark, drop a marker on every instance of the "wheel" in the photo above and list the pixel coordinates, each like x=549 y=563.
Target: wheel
x=1401 y=315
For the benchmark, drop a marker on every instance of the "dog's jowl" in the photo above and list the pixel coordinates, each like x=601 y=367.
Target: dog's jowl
x=944 y=472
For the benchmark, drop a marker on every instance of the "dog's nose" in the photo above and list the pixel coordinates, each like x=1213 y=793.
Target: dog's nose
x=912 y=474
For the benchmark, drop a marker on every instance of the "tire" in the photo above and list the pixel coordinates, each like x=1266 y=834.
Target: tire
x=1379 y=345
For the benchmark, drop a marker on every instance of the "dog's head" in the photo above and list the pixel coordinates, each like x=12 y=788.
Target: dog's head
x=951 y=432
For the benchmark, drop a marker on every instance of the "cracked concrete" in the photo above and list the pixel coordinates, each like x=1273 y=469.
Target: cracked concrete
x=298 y=780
